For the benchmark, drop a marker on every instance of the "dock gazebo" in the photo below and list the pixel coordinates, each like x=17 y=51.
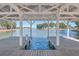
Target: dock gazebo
x=39 y=11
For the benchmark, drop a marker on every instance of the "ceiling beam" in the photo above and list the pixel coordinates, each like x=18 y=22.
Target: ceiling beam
x=53 y=7
x=26 y=8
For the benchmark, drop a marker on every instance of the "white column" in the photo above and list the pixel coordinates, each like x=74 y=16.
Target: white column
x=67 y=29
x=57 y=33
x=67 y=22
x=21 y=31
x=48 y=30
x=57 y=28
x=68 y=32
x=31 y=29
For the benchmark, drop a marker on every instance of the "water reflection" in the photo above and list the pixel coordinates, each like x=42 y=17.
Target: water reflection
x=38 y=33
x=5 y=34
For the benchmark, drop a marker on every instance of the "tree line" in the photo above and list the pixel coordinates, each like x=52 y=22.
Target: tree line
x=8 y=24
x=77 y=25
x=51 y=25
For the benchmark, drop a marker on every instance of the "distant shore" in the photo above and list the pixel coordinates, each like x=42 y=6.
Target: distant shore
x=6 y=30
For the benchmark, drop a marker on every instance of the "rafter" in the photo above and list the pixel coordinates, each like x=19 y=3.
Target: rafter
x=16 y=8
x=27 y=8
x=2 y=6
x=53 y=7
x=42 y=10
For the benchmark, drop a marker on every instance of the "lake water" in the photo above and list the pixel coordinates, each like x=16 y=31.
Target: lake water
x=39 y=37
x=39 y=43
x=44 y=33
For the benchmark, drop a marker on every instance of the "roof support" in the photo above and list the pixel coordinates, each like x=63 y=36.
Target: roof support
x=57 y=30
x=53 y=7
x=30 y=22
x=26 y=8
x=68 y=22
x=57 y=33
x=21 y=31
x=21 y=24
x=48 y=29
x=68 y=28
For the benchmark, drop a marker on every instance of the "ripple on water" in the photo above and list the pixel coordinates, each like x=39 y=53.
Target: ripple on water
x=39 y=44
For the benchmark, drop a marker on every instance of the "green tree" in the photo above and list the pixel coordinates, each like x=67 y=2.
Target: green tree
x=45 y=25
x=8 y=24
x=52 y=25
x=77 y=25
x=62 y=25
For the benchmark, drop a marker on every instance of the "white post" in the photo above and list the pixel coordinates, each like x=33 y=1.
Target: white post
x=68 y=32
x=57 y=29
x=67 y=29
x=48 y=29
x=57 y=33
x=31 y=29
x=21 y=31
x=67 y=22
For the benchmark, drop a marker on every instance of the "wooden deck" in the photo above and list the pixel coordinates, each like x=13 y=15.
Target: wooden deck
x=10 y=47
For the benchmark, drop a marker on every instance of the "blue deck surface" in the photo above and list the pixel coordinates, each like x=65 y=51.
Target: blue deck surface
x=39 y=44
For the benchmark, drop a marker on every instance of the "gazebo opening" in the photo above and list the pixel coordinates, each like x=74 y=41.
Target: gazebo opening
x=39 y=26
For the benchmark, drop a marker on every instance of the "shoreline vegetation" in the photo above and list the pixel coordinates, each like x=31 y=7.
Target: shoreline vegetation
x=7 y=30
x=7 y=26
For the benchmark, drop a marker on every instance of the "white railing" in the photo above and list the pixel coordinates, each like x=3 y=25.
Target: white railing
x=71 y=38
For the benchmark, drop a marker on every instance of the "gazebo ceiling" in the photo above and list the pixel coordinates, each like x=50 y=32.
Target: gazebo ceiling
x=42 y=11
